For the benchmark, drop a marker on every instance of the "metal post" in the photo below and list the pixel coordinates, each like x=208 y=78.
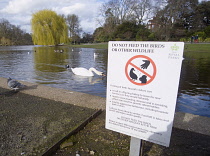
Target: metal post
x=135 y=147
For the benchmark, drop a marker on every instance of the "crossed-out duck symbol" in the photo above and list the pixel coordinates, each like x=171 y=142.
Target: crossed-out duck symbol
x=142 y=78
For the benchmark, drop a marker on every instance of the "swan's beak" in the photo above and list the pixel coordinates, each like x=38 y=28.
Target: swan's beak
x=103 y=74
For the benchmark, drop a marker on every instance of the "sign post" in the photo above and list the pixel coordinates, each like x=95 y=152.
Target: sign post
x=142 y=86
x=135 y=147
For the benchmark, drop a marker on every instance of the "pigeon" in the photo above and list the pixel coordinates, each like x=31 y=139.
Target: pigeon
x=15 y=85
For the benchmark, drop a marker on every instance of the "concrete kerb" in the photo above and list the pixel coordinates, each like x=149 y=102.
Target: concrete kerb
x=62 y=95
x=193 y=123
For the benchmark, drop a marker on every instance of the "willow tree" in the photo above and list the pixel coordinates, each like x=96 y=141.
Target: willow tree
x=48 y=28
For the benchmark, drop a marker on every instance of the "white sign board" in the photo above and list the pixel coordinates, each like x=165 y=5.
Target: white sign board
x=142 y=86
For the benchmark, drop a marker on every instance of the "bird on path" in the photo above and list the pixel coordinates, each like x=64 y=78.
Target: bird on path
x=14 y=85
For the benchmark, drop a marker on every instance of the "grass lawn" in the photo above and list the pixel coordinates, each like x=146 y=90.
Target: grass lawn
x=92 y=45
x=197 y=48
x=187 y=47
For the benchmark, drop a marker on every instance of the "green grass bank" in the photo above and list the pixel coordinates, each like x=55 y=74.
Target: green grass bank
x=188 y=47
x=92 y=45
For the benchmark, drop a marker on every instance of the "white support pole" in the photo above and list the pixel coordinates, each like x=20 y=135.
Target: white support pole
x=135 y=147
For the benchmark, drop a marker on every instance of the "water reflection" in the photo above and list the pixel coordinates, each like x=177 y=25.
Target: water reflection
x=46 y=60
x=16 y=61
x=91 y=79
x=50 y=68
x=194 y=88
x=43 y=65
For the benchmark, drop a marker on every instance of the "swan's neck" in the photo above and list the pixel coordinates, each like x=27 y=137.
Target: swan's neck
x=96 y=71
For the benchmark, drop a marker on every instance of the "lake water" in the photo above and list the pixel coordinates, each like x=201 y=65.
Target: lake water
x=44 y=66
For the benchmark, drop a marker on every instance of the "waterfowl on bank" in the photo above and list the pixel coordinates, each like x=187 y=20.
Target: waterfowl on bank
x=14 y=85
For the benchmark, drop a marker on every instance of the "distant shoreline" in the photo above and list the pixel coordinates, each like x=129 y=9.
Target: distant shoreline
x=194 y=47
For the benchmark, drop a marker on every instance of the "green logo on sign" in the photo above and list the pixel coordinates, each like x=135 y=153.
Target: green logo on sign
x=175 y=47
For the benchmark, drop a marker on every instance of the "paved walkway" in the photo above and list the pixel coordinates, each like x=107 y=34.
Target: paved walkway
x=34 y=119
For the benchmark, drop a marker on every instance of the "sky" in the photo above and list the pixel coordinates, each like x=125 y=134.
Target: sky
x=19 y=12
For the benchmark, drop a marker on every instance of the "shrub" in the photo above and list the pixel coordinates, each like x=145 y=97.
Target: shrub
x=185 y=39
x=201 y=35
x=207 y=31
x=207 y=40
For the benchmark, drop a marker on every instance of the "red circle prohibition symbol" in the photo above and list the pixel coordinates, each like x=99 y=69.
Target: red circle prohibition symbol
x=149 y=75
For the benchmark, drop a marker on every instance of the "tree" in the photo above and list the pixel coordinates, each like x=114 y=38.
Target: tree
x=126 y=31
x=73 y=26
x=48 y=28
x=130 y=31
x=143 y=34
x=175 y=13
x=121 y=11
x=142 y=10
x=117 y=13
x=87 y=38
x=13 y=35
x=207 y=31
x=109 y=24
x=100 y=35
x=203 y=12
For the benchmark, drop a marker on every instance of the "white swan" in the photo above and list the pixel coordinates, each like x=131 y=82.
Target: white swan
x=85 y=72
